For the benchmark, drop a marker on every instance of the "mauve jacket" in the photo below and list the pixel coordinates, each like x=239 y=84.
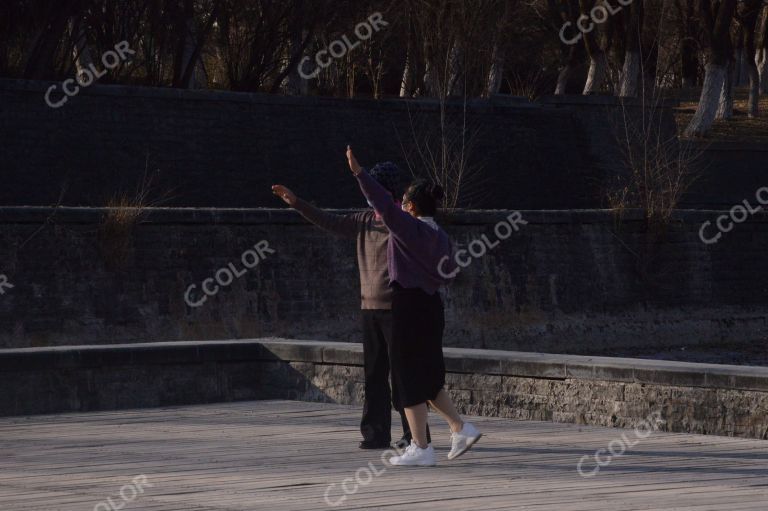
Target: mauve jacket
x=418 y=254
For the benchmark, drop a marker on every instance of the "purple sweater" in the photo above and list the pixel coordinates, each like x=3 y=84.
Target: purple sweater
x=418 y=255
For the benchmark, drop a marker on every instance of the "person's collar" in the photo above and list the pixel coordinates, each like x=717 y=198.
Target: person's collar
x=429 y=220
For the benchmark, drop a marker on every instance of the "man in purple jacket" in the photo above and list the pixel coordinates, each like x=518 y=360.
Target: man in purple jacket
x=376 y=302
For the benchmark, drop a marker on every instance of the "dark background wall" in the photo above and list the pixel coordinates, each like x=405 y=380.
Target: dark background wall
x=570 y=282
x=222 y=149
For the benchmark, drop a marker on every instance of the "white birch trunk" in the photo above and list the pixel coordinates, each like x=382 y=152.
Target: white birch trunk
x=405 y=83
x=598 y=66
x=198 y=79
x=430 y=81
x=562 y=79
x=81 y=52
x=725 y=104
x=455 y=80
x=496 y=72
x=754 y=89
x=761 y=59
x=714 y=79
x=629 y=75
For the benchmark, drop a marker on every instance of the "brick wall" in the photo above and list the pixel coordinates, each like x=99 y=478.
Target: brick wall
x=570 y=282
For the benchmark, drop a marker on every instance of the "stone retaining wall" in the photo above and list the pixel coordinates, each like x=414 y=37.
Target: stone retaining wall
x=567 y=281
x=620 y=392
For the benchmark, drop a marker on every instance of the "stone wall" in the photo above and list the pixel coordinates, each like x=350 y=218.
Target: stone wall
x=225 y=149
x=690 y=398
x=568 y=282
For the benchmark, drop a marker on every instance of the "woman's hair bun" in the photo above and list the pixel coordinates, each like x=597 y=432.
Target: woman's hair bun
x=436 y=191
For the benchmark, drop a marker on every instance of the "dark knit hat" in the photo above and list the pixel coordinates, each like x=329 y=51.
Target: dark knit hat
x=388 y=175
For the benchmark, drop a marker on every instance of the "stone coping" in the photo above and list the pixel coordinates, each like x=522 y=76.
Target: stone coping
x=474 y=105
x=495 y=101
x=244 y=216
x=458 y=360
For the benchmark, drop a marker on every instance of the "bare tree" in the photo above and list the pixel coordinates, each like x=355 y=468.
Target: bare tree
x=716 y=18
x=49 y=21
x=631 y=34
x=747 y=12
x=761 y=56
x=500 y=45
x=598 y=60
x=189 y=71
x=560 y=12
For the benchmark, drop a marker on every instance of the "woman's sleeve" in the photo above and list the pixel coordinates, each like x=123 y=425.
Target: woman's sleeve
x=399 y=223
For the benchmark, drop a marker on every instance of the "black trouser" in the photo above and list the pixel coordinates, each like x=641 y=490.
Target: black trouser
x=376 y=423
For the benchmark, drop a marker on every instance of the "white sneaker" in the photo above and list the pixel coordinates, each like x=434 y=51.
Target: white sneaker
x=463 y=440
x=415 y=455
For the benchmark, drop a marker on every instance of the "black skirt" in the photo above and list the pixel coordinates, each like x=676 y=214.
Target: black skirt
x=416 y=349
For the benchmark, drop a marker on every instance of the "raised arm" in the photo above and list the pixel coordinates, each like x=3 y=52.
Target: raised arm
x=341 y=225
x=399 y=223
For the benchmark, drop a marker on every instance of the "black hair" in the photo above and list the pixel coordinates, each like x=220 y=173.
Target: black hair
x=425 y=195
x=388 y=176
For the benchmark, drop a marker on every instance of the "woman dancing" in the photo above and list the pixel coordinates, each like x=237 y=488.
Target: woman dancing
x=416 y=248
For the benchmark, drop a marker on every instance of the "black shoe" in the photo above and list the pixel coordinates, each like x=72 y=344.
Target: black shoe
x=403 y=442
x=374 y=444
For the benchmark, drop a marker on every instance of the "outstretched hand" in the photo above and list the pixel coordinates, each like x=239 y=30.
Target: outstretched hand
x=286 y=194
x=353 y=165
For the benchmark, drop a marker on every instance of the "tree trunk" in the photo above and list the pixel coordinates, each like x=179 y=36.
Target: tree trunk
x=725 y=103
x=81 y=51
x=456 y=71
x=562 y=79
x=754 y=89
x=689 y=64
x=629 y=75
x=598 y=61
x=405 y=81
x=667 y=37
x=496 y=72
x=40 y=62
x=747 y=14
x=761 y=55
x=598 y=66
x=714 y=80
x=571 y=55
x=736 y=75
x=295 y=84
x=431 y=79
x=631 y=42
x=761 y=59
x=190 y=57
x=573 y=60
x=689 y=53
